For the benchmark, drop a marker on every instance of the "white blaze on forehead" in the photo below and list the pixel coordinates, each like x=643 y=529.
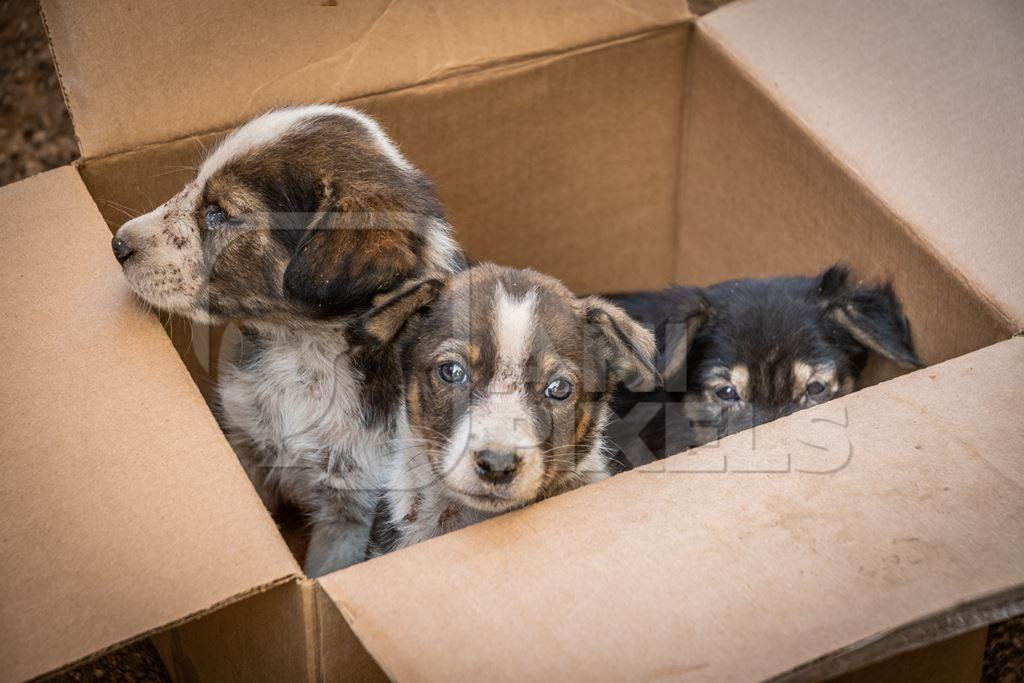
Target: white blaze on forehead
x=266 y=129
x=514 y=325
x=500 y=419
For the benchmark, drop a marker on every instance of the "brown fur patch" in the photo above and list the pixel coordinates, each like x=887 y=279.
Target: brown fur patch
x=414 y=509
x=739 y=376
x=582 y=422
x=800 y=374
x=449 y=515
x=473 y=353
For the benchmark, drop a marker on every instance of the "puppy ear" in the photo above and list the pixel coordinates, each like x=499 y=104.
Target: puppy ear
x=872 y=314
x=691 y=310
x=627 y=348
x=390 y=312
x=351 y=253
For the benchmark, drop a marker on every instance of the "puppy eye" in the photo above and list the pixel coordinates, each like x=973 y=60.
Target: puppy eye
x=453 y=373
x=727 y=393
x=559 y=389
x=815 y=388
x=215 y=216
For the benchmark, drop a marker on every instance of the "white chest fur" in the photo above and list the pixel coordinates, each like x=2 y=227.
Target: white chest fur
x=293 y=408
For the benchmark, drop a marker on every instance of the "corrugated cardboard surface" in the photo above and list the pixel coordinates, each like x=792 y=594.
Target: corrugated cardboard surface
x=124 y=508
x=566 y=163
x=291 y=633
x=341 y=656
x=268 y=637
x=663 y=573
x=761 y=196
x=922 y=100
x=137 y=73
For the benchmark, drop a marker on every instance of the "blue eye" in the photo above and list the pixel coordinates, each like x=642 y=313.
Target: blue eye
x=559 y=389
x=453 y=373
x=214 y=216
x=727 y=393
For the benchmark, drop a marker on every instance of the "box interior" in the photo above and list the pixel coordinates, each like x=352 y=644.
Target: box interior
x=537 y=169
x=643 y=152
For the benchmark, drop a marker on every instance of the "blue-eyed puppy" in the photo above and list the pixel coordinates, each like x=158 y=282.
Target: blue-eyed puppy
x=508 y=376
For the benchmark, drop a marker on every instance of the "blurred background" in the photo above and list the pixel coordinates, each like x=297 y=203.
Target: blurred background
x=35 y=128
x=36 y=135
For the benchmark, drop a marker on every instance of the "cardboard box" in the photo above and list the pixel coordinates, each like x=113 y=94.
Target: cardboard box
x=617 y=145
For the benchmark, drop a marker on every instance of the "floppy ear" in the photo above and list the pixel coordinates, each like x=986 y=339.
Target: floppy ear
x=872 y=314
x=690 y=310
x=350 y=254
x=627 y=348
x=390 y=312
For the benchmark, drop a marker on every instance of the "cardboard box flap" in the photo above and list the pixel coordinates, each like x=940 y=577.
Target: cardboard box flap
x=920 y=99
x=743 y=560
x=124 y=508
x=137 y=73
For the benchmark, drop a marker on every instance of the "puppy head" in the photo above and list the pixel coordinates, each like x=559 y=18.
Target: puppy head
x=508 y=377
x=302 y=213
x=771 y=347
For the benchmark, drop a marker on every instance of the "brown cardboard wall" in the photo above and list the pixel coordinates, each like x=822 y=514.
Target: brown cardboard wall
x=567 y=163
x=342 y=656
x=922 y=101
x=124 y=508
x=268 y=637
x=761 y=197
x=129 y=82
x=291 y=633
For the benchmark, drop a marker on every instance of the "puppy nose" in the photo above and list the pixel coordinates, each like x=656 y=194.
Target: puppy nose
x=122 y=250
x=495 y=467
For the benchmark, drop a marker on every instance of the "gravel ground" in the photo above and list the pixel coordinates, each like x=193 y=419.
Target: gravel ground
x=36 y=135
x=35 y=128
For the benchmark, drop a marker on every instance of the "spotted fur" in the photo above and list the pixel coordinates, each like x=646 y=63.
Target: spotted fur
x=514 y=332
x=293 y=227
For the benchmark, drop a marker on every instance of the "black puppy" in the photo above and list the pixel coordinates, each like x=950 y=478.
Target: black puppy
x=744 y=352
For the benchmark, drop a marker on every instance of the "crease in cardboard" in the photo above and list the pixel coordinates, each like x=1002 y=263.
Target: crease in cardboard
x=350 y=618
x=311 y=622
x=354 y=49
x=685 y=118
x=60 y=78
x=317 y=646
x=494 y=66
x=238 y=597
x=919 y=237
x=328 y=653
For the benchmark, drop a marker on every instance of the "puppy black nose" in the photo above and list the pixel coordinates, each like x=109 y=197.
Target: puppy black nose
x=495 y=467
x=122 y=250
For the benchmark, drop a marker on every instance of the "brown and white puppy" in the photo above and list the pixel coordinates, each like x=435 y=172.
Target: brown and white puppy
x=508 y=376
x=292 y=226
x=741 y=353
